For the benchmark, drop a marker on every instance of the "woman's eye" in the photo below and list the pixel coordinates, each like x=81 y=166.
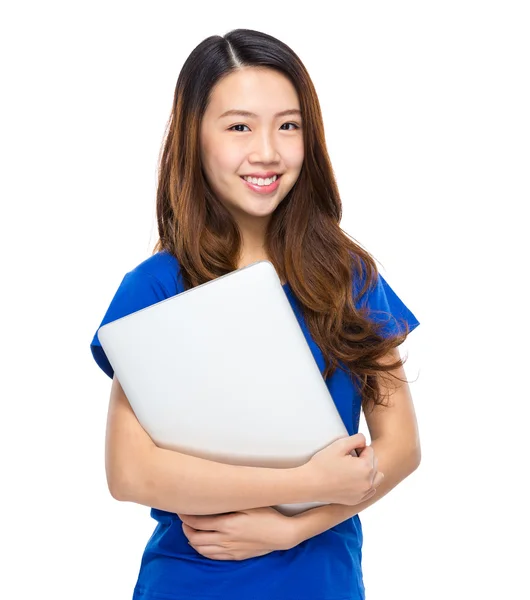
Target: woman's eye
x=295 y=126
x=241 y=125
x=231 y=128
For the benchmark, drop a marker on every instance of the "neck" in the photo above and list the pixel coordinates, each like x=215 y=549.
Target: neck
x=253 y=232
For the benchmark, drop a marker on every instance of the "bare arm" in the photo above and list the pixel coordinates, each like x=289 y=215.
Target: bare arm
x=141 y=472
x=395 y=440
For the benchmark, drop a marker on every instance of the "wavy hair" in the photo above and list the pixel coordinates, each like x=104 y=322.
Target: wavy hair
x=304 y=240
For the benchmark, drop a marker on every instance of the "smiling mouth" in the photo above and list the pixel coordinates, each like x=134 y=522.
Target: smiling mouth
x=263 y=189
x=243 y=177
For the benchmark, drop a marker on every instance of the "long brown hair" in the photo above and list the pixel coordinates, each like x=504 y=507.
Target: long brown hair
x=304 y=240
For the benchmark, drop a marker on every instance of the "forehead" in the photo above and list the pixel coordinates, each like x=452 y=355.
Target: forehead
x=259 y=90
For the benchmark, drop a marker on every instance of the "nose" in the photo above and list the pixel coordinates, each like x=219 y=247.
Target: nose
x=264 y=149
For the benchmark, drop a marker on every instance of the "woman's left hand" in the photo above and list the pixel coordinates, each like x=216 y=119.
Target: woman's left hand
x=239 y=535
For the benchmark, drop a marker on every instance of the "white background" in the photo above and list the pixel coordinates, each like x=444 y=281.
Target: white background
x=426 y=112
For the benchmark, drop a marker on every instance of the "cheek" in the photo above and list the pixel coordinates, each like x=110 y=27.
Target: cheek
x=223 y=159
x=229 y=159
x=295 y=156
x=217 y=157
x=226 y=169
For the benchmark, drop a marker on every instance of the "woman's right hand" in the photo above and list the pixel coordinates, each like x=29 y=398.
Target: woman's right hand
x=342 y=477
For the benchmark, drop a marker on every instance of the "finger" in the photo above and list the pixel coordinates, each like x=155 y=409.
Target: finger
x=349 y=444
x=189 y=519
x=376 y=462
x=367 y=454
x=378 y=479
x=187 y=529
x=366 y=451
x=368 y=495
x=196 y=537
x=202 y=522
x=359 y=439
x=212 y=551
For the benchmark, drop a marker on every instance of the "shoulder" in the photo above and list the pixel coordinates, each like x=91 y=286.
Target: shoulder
x=365 y=278
x=162 y=268
x=153 y=280
x=373 y=293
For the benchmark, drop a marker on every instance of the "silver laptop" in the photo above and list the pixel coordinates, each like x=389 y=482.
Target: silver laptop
x=223 y=372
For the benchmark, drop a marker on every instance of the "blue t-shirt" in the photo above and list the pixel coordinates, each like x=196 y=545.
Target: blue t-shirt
x=324 y=567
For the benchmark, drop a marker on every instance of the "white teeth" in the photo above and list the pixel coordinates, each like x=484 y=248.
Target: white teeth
x=261 y=181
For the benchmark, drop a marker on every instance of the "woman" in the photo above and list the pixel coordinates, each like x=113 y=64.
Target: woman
x=245 y=176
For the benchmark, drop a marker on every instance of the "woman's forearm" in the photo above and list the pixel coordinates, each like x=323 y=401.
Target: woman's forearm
x=394 y=460
x=179 y=483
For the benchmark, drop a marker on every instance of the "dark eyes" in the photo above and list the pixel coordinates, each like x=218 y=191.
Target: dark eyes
x=241 y=125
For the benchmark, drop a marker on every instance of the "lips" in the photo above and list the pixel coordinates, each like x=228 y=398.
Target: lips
x=263 y=189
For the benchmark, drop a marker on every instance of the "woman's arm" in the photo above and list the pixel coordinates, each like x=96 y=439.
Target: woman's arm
x=395 y=440
x=141 y=472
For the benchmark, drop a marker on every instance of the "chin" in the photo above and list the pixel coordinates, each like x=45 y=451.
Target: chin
x=257 y=214
x=259 y=208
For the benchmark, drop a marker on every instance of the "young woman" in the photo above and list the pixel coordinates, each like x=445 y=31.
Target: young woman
x=245 y=176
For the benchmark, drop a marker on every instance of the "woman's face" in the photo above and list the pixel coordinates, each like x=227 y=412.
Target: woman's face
x=258 y=144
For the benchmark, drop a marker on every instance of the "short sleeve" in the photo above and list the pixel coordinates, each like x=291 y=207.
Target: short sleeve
x=385 y=306
x=137 y=290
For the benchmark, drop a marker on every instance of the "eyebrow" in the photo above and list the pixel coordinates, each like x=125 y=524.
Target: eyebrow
x=246 y=113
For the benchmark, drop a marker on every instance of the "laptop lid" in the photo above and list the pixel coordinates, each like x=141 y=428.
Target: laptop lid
x=223 y=371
